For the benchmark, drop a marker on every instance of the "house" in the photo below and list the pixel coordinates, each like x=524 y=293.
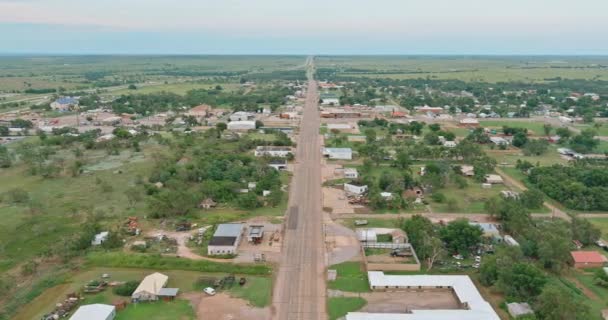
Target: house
x=493 y=179
x=563 y=119
x=241 y=125
x=149 y=288
x=339 y=126
x=330 y=101
x=255 y=234
x=415 y=192
x=510 y=241
x=338 y=153
x=508 y=194
x=272 y=151
x=356 y=138
x=367 y=235
x=241 y=116
x=588 y=259
x=355 y=189
x=386 y=195
x=472 y=304
x=64 y=104
x=398 y=114
x=95 y=311
x=489 y=229
x=351 y=173
x=105 y=137
x=519 y=309
x=449 y=144
x=199 y=111
x=100 y=238
x=226 y=239
x=431 y=110
x=111 y=121
x=469 y=122
x=279 y=164
x=467 y=170
x=499 y=141
x=207 y=204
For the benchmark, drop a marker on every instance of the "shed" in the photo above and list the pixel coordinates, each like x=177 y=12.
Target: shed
x=207 y=204
x=96 y=311
x=100 y=238
x=338 y=153
x=493 y=179
x=255 y=234
x=241 y=125
x=355 y=189
x=149 y=288
x=226 y=239
x=351 y=173
x=467 y=170
x=367 y=235
x=168 y=293
x=279 y=164
x=518 y=309
x=588 y=259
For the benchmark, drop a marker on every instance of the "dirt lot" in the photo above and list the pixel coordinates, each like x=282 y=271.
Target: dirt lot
x=342 y=243
x=402 y=301
x=385 y=257
x=224 y=307
x=271 y=250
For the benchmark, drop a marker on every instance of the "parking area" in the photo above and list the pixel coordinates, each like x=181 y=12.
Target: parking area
x=404 y=301
x=268 y=247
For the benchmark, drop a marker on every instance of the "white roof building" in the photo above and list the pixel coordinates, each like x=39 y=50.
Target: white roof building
x=150 y=287
x=339 y=126
x=351 y=173
x=338 y=153
x=474 y=306
x=272 y=151
x=94 y=312
x=241 y=116
x=100 y=238
x=354 y=189
x=241 y=125
x=367 y=235
x=499 y=140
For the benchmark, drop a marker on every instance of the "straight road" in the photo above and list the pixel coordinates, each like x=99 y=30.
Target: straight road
x=299 y=292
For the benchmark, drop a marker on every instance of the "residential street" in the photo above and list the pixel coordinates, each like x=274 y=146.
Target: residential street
x=299 y=291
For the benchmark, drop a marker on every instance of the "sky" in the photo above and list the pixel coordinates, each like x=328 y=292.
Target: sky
x=557 y=27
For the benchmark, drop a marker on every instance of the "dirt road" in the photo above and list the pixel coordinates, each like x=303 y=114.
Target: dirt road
x=299 y=291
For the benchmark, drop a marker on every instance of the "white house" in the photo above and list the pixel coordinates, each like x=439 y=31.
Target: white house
x=96 y=311
x=149 y=288
x=100 y=238
x=331 y=101
x=367 y=235
x=467 y=170
x=351 y=173
x=493 y=179
x=510 y=241
x=242 y=116
x=469 y=122
x=241 y=125
x=474 y=306
x=449 y=144
x=338 y=126
x=278 y=164
x=64 y=104
x=226 y=239
x=272 y=151
x=355 y=189
x=499 y=141
x=338 y=153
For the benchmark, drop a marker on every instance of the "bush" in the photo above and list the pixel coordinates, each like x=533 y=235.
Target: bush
x=438 y=197
x=126 y=289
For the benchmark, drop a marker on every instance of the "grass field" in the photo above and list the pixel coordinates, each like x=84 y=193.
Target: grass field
x=534 y=127
x=467 y=68
x=339 y=306
x=257 y=291
x=174 y=310
x=510 y=156
x=351 y=277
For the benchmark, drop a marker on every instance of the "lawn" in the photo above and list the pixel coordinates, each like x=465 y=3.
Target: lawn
x=338 y=307
x=257 y=290
x=510 y=157
x=601 y=223
x=535 y=127
x=373 y=223
x=174 y=310
x=351 y=277
x=470 y=199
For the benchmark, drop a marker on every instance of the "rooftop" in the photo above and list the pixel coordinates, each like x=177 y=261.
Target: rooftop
x=587 y=257
x=93 y=312
x=228 y=230
x=465 y=290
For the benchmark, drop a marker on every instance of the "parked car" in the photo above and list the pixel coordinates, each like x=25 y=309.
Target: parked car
x=210 y=291
x=400 y=253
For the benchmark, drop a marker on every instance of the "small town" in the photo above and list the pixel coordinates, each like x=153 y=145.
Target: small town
x=284 y=170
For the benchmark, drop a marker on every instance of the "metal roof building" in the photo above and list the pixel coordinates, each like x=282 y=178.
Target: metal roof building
x=226 y=239
x=474 y=306
x=95 y=312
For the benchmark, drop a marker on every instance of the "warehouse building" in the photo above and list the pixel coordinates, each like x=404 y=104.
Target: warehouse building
x=226 y=239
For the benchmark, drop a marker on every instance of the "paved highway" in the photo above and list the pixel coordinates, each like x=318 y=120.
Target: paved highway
x=299 y=292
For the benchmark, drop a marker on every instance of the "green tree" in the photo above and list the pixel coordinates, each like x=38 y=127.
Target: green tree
x=6 y=159
x=521 y=281
x=4 y=131
x=370 y=135
x=221 y=126
x=520 y=139
x=532 y=198
x=558 y=303
x=460 y=236
x=547 y=128
x=584 y=231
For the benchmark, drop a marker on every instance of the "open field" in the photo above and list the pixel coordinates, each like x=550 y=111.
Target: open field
x=468 y=68
x=256 y=291
x=75 y=69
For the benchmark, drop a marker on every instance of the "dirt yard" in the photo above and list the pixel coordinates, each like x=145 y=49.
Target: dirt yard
x=403 y=301
x=224 y=307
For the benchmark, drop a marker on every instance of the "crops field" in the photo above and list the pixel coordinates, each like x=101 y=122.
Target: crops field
x=469 y=68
